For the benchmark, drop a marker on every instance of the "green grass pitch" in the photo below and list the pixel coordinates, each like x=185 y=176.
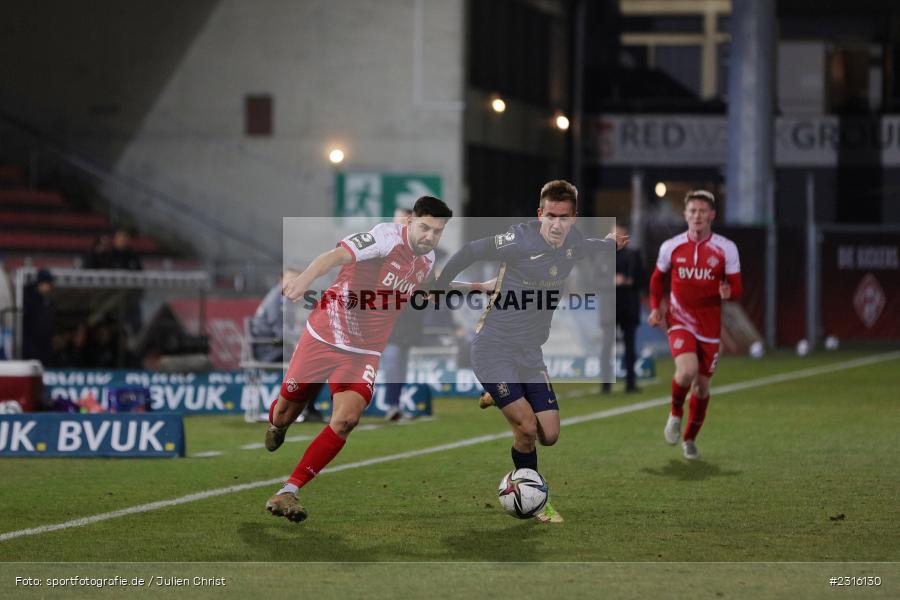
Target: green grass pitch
x=806 y=470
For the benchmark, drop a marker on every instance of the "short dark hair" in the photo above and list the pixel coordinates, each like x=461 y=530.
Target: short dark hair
x=429 y=206
x=701 y=195
x=559 y=190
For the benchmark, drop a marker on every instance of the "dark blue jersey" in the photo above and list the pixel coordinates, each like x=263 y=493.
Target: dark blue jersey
x=530 y=281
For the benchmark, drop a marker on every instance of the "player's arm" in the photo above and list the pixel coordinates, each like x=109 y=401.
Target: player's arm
x=474 y=251
x=474 y=286
x=732 y=288
x=657 y=289
x=611 y=238
x=294 y=287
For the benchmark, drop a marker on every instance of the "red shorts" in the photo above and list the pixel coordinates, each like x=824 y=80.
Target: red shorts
x=315 y=362
x=682 y=341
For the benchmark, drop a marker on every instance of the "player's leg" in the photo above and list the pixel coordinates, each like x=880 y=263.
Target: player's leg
x=285 y=411
x=548 y=427
x=708 y=356
x=347 y=408
x=683 y=346
x=542 y=399
x=523 y=422
x=351 y=382
x=540 y=395
x=308 y=367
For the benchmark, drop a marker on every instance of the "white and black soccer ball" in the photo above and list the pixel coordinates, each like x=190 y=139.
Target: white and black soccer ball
x=802 y=348
x=757 y=349
x=832 y=342
x=523 y=493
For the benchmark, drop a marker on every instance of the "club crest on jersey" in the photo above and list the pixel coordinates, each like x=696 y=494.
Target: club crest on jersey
x=420 y=275
x=292 y=385
x=712 y=261
x=554 y=271
x=362 y=240
x=503 y=390
x=681 y=259
x=396 y=265
x=569 y=253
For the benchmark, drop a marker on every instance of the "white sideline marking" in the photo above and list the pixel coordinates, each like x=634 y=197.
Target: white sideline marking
x=725 y=389
x=208 y=454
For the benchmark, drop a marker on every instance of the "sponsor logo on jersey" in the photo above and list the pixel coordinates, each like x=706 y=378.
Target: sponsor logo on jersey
x=362 y=240
x=395 y=283
x=696 y=273
x=712 y=261
x=536 y=256
x=569 y=253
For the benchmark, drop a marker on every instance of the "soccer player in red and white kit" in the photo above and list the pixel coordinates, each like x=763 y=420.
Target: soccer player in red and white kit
x=705 y=271
x=346 y=332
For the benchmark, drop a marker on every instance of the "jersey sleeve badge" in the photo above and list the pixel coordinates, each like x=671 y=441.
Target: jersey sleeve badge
x=362 y=240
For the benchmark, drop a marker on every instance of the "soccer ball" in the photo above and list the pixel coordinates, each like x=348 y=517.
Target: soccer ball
x=802 y=348
x=523 y=493
x=757 y=349
x=831 y=342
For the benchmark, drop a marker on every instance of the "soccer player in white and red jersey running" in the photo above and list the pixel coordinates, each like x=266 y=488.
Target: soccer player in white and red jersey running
x=346 y=332
x=705 y=271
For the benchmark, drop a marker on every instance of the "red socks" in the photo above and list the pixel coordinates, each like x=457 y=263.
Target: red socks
x=678 y=395
x=320 y=452
x=697 y=414
x=272 y=411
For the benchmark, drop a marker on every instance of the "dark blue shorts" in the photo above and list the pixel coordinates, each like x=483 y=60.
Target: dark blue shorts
x=508 y=374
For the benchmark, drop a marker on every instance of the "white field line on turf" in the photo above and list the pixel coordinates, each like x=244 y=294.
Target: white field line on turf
x=725 y=389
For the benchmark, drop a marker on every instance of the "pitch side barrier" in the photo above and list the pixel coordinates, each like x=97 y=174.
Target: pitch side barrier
x=145 y=435
x=251 y=390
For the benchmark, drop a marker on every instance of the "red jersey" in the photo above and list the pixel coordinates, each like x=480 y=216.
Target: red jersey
x=697 y=269
x=358 y=311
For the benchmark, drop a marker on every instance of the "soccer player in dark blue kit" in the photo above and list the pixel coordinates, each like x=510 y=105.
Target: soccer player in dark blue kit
x=536 y=257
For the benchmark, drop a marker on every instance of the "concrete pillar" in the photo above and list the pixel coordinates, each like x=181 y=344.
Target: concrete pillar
x=751 y=108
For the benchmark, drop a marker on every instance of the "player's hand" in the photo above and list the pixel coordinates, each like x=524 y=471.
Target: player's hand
x=623 y=280
x=724 y=290
x=293 y=288
x=620 y=240
x=655 y=317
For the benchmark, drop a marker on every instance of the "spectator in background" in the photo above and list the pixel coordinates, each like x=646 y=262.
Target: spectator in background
x=630 y=280
x=407 y=333
x=99 y=256
x=37 y=318
x=122 y=256
x=268 y=323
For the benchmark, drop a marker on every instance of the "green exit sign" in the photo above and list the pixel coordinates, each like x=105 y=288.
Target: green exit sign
x=378 y=194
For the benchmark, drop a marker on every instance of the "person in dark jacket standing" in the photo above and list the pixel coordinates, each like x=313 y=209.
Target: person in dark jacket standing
x=630 y=280
x=37 y=318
